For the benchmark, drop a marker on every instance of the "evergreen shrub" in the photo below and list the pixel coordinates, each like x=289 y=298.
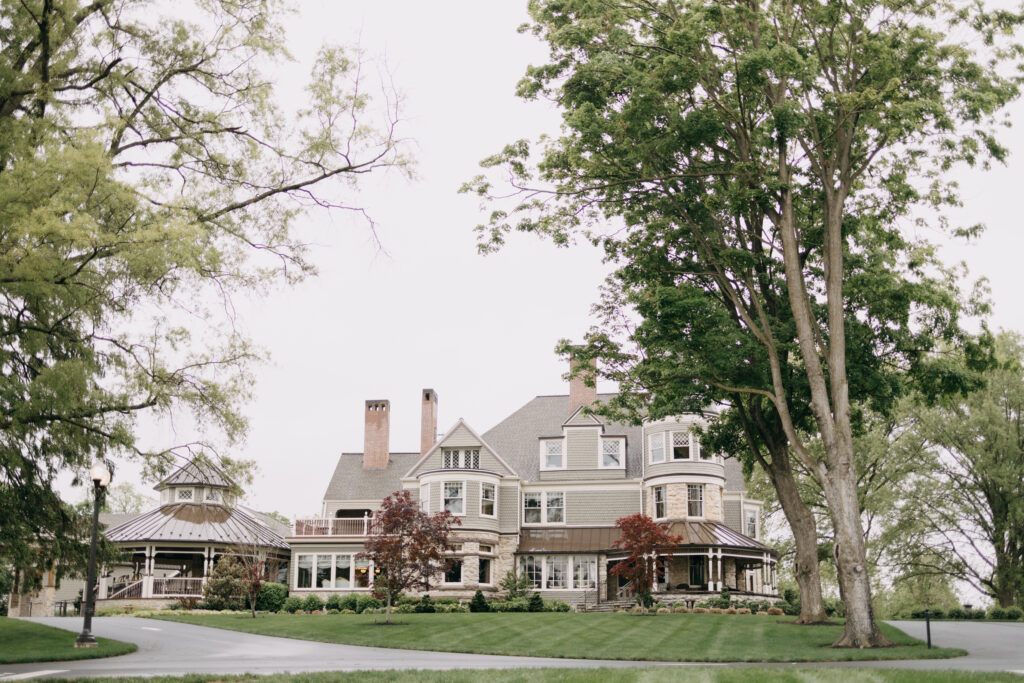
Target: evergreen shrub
x=271 y=597
x=536 y=603
x=1014 y=613
x=292 y=604
x=365 y=601
x=479 y=603
x=312 y=603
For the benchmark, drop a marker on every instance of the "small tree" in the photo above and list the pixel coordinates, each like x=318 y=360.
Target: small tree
x=642 y=538
x=226 y=585
x=406 y=546
x=516 y=585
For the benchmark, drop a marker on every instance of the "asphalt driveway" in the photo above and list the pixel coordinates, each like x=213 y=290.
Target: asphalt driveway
x=169 y=648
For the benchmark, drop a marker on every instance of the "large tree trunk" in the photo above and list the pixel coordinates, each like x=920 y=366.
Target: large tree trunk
x=860 y=629
x=805 y=535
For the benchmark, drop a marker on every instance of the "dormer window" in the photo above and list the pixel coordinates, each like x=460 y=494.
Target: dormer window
x=552 y=454
x=185 y=495
x=213 y=496
x=465 y=459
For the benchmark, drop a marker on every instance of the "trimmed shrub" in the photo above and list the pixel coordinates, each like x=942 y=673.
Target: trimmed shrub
x=700 y=610
x=365 y=601
x=271 y=597
x=348 y=611
x=312 y=603
x=333 y=602
x=1014 y=613
x=446 y=601
x=743 y=610
x=789 y=608
x=404 y=609
x=479 y=603
x=514 y=605
x=425 y=605
x=997 y=613
x=681 y=609
x=636 y=609
x=348 y=601
x=333 y=611
x=449 y=608
x=292 y=604
x=775 y=612
x=536 y=603
x=978 y=614
x=957 y=613
x=731 y=610
x=406 y=600
x=664 y=610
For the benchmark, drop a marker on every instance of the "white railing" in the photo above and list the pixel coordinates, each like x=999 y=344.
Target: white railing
x=332 y=527
x=177 y=586
x=125 y=592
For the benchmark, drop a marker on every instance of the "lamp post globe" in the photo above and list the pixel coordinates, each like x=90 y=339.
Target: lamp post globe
x=100 y=475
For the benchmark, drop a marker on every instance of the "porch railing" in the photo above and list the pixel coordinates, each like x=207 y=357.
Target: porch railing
x=125 y=591
x=332 y=527
x=177 y=586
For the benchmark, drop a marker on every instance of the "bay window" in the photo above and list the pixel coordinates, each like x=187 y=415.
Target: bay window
x=695 y=500
x=657 y=447
x=659 y=502
x=557 y=566
x=487 y=500
x=454 y=497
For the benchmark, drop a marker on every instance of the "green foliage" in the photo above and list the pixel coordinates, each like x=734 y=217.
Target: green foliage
x=997 y=613
x=365 y=601
x=225 y=588
x=425 y=605
x=479 y=603
x=312 y=603
x=334 y=602
x=292 y=603
x=348 y=601
x=271 y=597
x=556 y=606
x=1014 y=613
x=535 y=604
x=514 y=605
x=514 y=585
x=132 y=212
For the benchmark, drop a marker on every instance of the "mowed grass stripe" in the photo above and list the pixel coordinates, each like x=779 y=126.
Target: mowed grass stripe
x=662 y=637
x=26 y=641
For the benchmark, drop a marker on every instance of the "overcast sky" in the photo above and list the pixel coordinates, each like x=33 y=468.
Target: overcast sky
x=429 y=311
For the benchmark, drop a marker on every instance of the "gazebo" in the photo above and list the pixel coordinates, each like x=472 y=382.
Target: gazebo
x=170 y=551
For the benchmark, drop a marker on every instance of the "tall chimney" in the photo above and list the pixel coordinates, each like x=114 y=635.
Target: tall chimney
x=376 y=435
x=428 y=421
x=579 y=393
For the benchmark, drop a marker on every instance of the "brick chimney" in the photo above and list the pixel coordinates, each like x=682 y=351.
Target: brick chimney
x=579 y=393
x=376 y=435
x=428 y=421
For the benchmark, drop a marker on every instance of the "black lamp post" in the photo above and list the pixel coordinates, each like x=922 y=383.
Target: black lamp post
x=100 y=476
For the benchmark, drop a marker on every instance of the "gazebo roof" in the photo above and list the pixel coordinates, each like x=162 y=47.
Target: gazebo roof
x=195 y=473
x=186 y=522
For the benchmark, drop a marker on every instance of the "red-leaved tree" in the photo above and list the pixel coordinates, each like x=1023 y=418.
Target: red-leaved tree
x=643 y=539
x=406 y=546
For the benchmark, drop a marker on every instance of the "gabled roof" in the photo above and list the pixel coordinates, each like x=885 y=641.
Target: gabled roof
x=351 y=482
x=186 y=522
x=459 y=424
x=582 y=419
x=197 y=473
x=515 y=437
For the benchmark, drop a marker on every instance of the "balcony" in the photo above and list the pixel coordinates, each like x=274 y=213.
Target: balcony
x=359 y=526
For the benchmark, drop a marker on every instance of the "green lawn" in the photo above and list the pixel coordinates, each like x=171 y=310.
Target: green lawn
x=24 y=641
x=665 y=637
x=639 y=675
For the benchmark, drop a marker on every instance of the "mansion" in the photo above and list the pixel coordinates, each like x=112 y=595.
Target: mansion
x=540 y=493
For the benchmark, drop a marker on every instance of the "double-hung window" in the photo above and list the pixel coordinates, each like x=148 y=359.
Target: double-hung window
x=555 y=513
x=684 y=446
x=544 y=508
x=304 y=571
x=425 y=497
x=695 y=500
x=656 y=443
x=455 y=497
x=487 y=500
x=552 y=454
x=752 y=523
x=454 y=572
x=659 y=502
x=612 y=453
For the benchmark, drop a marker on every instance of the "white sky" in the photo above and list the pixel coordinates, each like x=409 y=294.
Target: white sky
x=431 y=312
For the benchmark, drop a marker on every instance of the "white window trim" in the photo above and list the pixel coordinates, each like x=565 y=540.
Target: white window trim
x=464 y=496
x=650 y=450
x=494 y=500
x=654 y=501
x=179 y=499
x=694 y=441
x=544 y=456
x=622 y=453
x=703 y=502
x=544 y=508
x=334 y=571
x=425 y=501
x=570 y=576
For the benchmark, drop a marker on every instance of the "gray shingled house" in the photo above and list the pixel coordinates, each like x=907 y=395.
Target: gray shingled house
x=540 y=492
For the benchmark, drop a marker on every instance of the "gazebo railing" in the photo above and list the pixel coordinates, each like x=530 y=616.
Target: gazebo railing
x=126 y=591
x=177 y=586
